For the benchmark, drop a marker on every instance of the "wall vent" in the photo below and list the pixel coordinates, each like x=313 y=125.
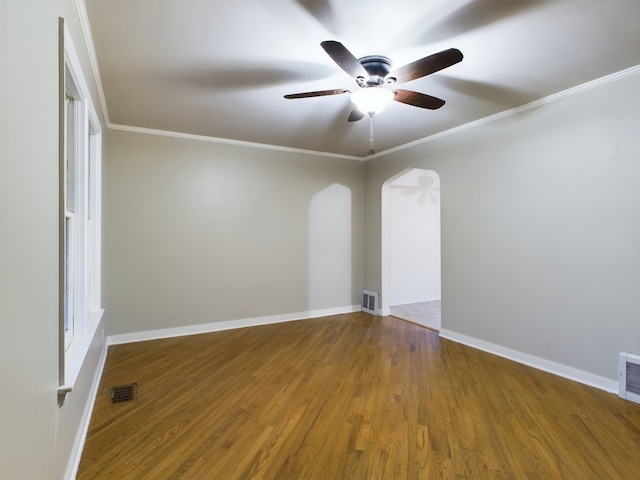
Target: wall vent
x=370 y=302
x=123 y=393
x=629 y=376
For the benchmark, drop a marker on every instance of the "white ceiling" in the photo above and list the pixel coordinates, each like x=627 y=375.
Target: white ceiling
x=220 y=68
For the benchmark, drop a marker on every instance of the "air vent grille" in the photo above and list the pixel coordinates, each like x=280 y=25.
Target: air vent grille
x=370 y=302
x=629 y=373
x=123 y=393
x=633 y=377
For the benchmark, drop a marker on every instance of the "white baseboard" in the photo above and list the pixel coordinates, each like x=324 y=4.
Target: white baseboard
x=564 y=371
x=225 y=325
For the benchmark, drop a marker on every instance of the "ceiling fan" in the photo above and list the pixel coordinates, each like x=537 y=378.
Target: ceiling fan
x=373 y=72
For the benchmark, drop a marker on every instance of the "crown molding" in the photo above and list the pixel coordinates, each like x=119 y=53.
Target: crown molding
x=93 y=59
x=228 y=141
x=629 y=72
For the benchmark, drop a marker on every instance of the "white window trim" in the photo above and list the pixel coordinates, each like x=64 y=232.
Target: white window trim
x=88 y=267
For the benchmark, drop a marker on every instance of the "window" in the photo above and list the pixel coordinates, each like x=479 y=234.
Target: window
x=80 y=215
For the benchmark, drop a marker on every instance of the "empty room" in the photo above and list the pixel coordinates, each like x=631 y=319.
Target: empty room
x=220 y=219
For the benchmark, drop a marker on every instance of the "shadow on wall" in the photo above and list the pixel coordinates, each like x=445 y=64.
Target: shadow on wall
x=330 y=247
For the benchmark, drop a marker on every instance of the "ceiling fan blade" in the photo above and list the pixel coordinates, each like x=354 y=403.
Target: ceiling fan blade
x=427 y=65
x=417 y=99
x=355 y=115
x=344 y=58
x=320 y=93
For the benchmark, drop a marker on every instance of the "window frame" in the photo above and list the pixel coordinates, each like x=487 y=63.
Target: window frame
x=80 y=309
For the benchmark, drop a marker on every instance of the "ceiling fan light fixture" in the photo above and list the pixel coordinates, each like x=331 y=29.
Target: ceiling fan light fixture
x=371 y=100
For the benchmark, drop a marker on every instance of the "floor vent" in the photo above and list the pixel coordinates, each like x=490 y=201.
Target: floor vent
x=370 y=302
x=629 y=376
x=123 y=393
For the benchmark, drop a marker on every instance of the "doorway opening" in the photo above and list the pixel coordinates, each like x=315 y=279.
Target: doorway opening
x=411 y=258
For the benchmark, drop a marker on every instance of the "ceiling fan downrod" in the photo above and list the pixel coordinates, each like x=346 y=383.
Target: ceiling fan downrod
x=372 y=148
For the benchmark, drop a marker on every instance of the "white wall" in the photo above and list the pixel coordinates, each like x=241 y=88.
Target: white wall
x=36 y=436
x=411 y=259
x=540 y=227
x=199 y=232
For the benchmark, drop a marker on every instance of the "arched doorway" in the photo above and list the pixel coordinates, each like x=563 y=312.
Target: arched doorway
x=411 y=284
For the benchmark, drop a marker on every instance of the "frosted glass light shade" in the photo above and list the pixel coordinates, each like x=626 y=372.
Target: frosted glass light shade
x=371 y=100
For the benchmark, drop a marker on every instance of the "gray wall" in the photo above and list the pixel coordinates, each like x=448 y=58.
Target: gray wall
x=199 y=232
x=36 y=436
x=540 y=227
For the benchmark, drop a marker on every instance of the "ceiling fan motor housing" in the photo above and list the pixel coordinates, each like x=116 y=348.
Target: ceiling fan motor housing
x=378 y=67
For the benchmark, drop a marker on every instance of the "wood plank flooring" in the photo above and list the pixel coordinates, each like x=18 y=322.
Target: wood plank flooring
x=349 y=397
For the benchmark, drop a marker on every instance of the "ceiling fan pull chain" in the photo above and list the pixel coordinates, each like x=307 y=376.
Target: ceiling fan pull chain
x=372 y=149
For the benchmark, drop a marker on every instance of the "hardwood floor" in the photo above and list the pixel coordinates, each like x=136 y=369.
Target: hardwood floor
x=349 y=397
